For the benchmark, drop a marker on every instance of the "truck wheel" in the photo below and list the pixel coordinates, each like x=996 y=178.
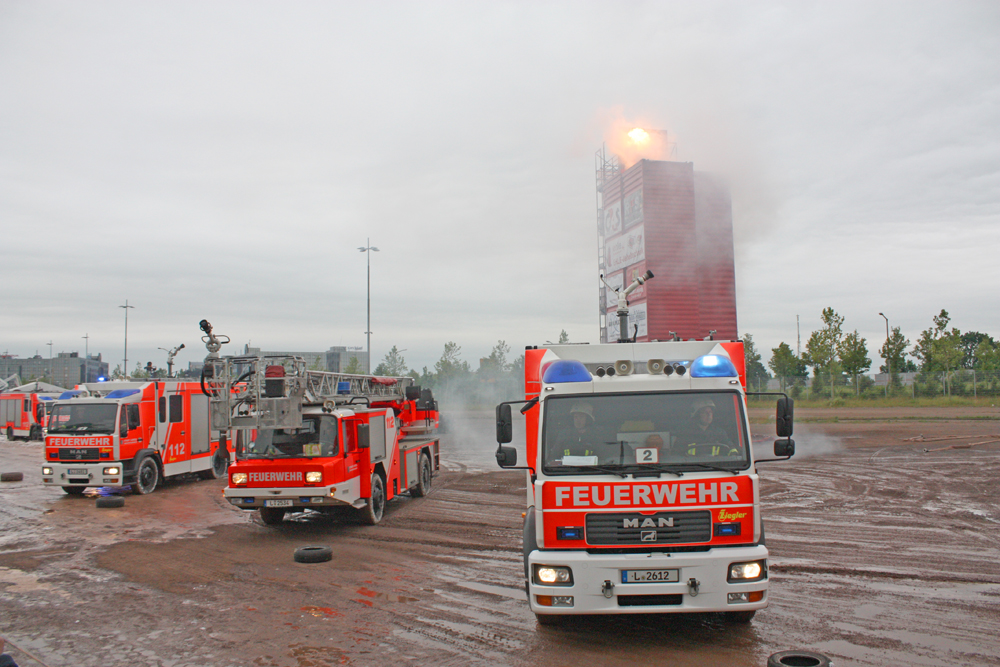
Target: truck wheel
x=740 y=617
x=11 y=476
x=372 y=512
x=799 y=658
x=35 y=433
x=272 y=516
x=313 y=554
x=549 y=620
x=424 y=475
x=146 y=477
x=220 y=464
x=10 y=434
x=74 y=490
x=111 y=501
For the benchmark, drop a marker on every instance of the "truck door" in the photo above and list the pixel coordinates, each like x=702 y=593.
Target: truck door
x=176 y=450
x=199 y=423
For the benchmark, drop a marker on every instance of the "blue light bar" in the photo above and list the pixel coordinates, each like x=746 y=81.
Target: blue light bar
x=566 y=370
x=122 y=393
x=713 y=366
x=70 y=394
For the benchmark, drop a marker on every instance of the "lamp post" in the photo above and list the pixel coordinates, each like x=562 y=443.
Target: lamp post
x=369 y=248
x=888 y=362
x=125 y=363
x=51 y=370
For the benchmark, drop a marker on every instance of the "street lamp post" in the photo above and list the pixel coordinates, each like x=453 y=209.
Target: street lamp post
x=888 y=361
x=368 y=249
x=51 y=370
x=125 y=363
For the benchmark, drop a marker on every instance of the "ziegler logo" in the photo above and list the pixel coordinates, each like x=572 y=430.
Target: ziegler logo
x=730 y=516
x=648 y=523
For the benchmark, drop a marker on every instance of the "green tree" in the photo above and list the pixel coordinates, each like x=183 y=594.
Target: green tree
x=971 y=341
x=893 y=350
x=353 y=366
x=393 y=365
x=786 y=363
x=853 y=353
x=924 y=349
x=563 y=337
x=821 y=348
x=449 y=367
x=495 y=365
x=757 y=375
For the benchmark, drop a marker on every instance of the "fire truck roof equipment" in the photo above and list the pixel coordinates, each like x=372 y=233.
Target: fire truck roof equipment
x=713 y=366
x=566 y=370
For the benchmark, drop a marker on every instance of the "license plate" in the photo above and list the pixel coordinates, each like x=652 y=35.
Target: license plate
x=649 y=576
x=277 y=503
x=76 y=471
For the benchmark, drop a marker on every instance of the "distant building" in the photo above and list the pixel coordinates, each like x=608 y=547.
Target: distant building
x=334 y=360
x=66 y=370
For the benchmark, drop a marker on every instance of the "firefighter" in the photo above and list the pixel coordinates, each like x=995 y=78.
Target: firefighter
x=701 y=430
x=581 y=439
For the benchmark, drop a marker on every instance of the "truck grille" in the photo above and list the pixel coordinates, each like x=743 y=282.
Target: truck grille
x=628 y=528
x=78 y=453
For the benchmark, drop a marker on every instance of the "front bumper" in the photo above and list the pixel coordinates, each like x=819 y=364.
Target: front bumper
x=294 y=498
x=83 y=474
x=591 y=572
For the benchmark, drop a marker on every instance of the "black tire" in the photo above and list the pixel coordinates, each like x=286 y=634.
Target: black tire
x=373 y=511
x=313 y=554
x=798 y=659
x=272 y=516
x=220 y=463
x=549 y=620
x=74 y=490
x=739 y=617
x=424 y=475
x=35 y=433
x=10 y=434
x=147 y=476
x=11 y=476
x=111 y=501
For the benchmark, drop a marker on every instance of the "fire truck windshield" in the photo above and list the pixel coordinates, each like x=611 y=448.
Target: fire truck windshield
x=644 y=432
x=83 y=418
x=316 y=437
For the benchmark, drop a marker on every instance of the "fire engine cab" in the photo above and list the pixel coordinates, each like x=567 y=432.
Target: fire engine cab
x=316 y=440
x=642 y=491
x=24 y=410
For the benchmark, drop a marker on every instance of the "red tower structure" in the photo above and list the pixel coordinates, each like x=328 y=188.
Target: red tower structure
x=665 y=217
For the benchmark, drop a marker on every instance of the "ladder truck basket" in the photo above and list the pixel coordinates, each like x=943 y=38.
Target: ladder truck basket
x=253 y=392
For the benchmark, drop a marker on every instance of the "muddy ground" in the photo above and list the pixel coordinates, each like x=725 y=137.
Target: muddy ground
x=885 y=551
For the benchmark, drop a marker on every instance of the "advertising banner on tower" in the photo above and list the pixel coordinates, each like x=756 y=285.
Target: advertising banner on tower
x=612 y=219
x=629 y=248
x=633 y=208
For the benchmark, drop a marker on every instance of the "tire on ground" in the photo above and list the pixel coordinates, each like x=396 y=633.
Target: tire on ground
x=272 y=516
x=739 y=616
x=11 y=476
x=424 y=475
x=111 y=501
x=372 y=512
x=549 y=620
x=313 y=554
x=220 y=464
x=147 y=476
x=798 y=659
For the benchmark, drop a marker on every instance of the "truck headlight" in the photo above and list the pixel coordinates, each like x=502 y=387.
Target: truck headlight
x=238 y=478
x=553 y=575
x=46 y=471
x=750 y=571
x=314 y=477
x=113 y=470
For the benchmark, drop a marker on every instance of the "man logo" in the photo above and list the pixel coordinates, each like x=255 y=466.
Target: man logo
x=648 y=536
x=661 y=522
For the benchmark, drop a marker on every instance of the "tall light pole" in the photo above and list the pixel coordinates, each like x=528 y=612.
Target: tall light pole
x=888 y=362
x=51 y=371
x=125 y=363
x=368 y=249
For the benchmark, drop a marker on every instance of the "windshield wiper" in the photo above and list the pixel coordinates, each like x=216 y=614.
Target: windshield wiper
x=607 y=469
x=709 y=466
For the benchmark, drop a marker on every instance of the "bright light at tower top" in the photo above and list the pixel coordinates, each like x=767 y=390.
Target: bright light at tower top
x=639 y=136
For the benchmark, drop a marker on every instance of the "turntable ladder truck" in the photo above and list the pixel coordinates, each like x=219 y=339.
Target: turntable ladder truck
x=318 y=440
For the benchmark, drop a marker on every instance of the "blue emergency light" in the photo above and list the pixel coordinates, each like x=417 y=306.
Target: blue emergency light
x=566 y=370
x=713 y=366
x=121 y=393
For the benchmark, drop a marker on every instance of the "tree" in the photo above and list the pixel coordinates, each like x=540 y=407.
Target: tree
x=853 y=353
x=756 y=373
x=786 y=364
x=449 y=367
x=353 y=366
x=393 y=365
x=563 y=337
x=971 y=341
x=893 y=350
x=924 y=349
x=821 y=348
x=495 y=365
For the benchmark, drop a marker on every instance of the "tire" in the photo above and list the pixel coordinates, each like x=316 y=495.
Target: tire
x=220 y=464
x=111 y=501
x=549 y=620
x=739 y=617
x=35 y=433
x=373 y=511
x=11 y=476
x=424 y=475
x=147 y=476
x=798 y=659
x=313 y=554
x=74 y=490
x=10 y=434
x=272 y=516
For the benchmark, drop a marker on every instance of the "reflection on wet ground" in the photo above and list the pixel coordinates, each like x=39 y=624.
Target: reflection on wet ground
x=882 y=554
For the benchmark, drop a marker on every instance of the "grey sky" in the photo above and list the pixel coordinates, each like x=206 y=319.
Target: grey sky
x=225 y=160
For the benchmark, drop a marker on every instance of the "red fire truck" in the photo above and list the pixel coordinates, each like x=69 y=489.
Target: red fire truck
x=642 y=491
x=315 y=440
x=131 y=433
x=23 y=412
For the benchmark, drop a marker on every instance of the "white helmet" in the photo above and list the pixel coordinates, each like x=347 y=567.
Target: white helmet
x=583 y=408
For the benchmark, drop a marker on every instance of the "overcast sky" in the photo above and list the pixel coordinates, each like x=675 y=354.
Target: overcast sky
x=225 y=160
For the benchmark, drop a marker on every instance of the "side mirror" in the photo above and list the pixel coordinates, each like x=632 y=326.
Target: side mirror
x=784 y=417
x=506 y=456
x=364 y=442
x=784 y=447
x=505 y=429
